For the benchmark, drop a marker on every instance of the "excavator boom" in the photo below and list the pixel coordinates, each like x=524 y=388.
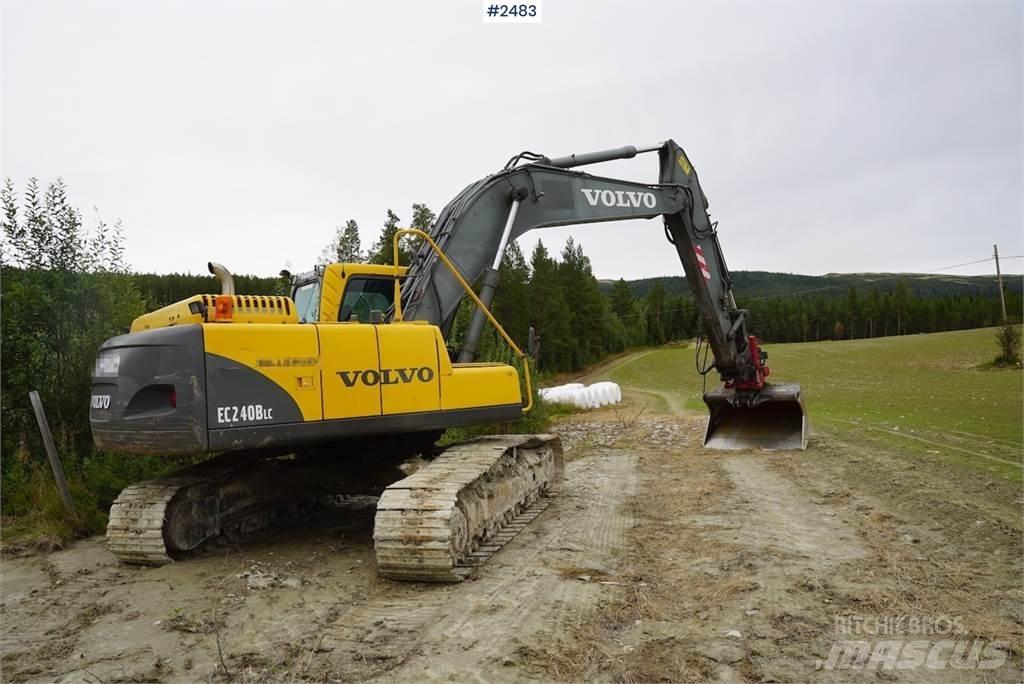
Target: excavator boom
x=475 y=227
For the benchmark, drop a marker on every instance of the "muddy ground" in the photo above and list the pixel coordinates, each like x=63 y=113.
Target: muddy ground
x=659 y=562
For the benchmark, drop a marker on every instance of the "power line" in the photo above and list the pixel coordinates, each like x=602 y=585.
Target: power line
x=876 y=280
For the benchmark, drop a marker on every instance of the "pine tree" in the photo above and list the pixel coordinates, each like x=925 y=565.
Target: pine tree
x=852 y=310
x=422 y=219
x=655 y=307
x=583 y=296
x=872 y=308
x=511 y=303
x=549 y=313
x=901 y=302
x=382 y=251
x=345 y=247
x=622 y=299
x=510 y=307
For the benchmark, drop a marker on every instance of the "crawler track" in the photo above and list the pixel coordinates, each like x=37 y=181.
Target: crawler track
x=230 y=499
x=436 y=525
x=135 y=531
x=453 y=514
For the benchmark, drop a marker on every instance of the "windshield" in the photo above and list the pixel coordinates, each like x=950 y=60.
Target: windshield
x=363 y=295
x=307 y=301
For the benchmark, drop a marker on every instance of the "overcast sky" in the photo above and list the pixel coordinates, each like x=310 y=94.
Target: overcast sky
x=829 y=137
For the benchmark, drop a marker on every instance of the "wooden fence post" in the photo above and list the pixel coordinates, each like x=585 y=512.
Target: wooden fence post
x=51 y=452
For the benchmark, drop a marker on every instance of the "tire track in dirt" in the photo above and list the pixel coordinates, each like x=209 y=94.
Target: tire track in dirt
x=943 y=445
x=605 y=370
x=986 y=438
x=775 y=539
x=857 y=455
x=339 y=621
x=672 y=400
x=717 y=562
x=675 y=406
x=521 y=596
x=602 y=531
x=777 y=516
x=385 y=630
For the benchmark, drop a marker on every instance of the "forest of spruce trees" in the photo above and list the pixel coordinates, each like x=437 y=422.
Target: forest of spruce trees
x=581 y=320
x=67 y=287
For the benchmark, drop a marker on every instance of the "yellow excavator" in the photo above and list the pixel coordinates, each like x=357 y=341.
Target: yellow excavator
x=321 y=395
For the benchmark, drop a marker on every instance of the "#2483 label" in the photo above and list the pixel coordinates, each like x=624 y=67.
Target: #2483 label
x=244 y=413
x=511 y=12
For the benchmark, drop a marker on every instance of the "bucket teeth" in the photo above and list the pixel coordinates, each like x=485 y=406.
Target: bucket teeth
x=453 y=514
x=772 y=419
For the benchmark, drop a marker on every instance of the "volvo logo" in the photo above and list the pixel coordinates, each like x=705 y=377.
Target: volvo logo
x=386 y=376
x=620 y=198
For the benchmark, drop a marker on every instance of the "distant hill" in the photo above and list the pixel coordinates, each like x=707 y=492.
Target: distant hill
x=756 y=284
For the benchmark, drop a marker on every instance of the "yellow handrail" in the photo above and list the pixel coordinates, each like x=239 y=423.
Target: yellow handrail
x=469 y=290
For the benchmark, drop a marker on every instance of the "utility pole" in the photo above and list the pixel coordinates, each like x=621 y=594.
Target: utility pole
x=999 y=278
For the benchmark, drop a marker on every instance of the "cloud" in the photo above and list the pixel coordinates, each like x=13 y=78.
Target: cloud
x=831 y=137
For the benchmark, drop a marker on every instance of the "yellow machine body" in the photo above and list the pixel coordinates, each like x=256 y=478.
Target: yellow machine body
x=356 y=370
x=245 y=309
x=227 y=372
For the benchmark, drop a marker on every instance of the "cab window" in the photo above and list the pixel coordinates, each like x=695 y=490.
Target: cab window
x=363 y=295
x=307 y=301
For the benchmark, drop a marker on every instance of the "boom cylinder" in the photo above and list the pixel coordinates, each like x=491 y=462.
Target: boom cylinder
x=488 y=287
x=471 y=342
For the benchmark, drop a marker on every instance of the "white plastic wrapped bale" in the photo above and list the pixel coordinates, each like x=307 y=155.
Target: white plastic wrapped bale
x=610 y=391
x=594 y=396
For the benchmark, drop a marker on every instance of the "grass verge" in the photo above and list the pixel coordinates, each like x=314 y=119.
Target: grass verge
x=33 y=513
x=921 y=395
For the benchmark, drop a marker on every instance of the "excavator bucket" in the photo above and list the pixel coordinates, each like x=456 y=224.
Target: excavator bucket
x=775 y=419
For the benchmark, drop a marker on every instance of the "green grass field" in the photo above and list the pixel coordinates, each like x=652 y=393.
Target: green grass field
x=921 y=394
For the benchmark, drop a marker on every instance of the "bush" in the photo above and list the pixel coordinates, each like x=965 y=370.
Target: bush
x=32 y=505
x=1008 y=337
x=65 y=289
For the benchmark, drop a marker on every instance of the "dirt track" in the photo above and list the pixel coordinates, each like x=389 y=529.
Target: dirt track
x=659 y=562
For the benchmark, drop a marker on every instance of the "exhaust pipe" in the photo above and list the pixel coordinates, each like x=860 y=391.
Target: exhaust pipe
x=227 y=282
x=775 y=419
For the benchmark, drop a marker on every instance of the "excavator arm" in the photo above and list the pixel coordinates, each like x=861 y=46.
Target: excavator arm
x=474 y=229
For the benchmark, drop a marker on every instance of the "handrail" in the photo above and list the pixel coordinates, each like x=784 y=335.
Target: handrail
x=469 y=290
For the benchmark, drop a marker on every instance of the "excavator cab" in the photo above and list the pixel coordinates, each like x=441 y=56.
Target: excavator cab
x=345 y=293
